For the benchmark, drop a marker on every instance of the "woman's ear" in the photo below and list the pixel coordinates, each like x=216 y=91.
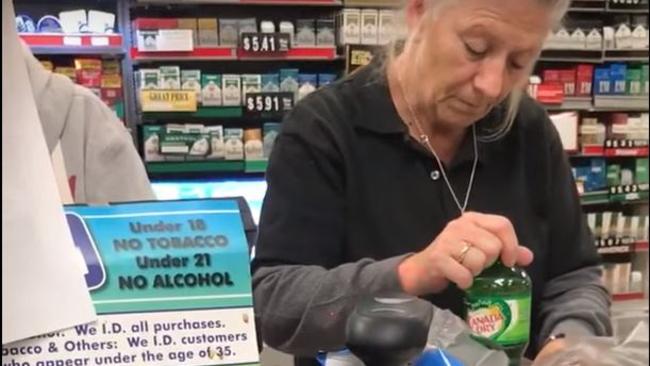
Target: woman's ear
x=415 y=10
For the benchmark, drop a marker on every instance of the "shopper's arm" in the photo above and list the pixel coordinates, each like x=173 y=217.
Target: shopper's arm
x=576 y=304
x=303 y=290
x=303 y=309
x=114 y=171
x=574 y=300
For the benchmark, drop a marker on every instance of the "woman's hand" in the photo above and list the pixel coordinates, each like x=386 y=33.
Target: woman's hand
x=463 y=249
x=551 y=348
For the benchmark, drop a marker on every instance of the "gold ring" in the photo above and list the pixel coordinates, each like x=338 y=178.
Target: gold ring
x=463 y=252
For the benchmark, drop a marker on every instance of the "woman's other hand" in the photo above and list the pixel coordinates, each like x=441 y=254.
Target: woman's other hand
x=460 y=252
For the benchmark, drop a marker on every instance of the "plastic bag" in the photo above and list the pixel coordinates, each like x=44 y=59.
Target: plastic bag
x=451 y=333
x=632 y=350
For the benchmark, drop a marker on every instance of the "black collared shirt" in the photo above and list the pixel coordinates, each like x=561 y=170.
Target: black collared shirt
x=346 y=181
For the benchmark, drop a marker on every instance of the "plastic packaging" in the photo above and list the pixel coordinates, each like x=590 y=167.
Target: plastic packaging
x=631 y=350
x=451 y=333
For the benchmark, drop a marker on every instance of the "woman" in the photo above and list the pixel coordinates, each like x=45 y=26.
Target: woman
x=416 y=174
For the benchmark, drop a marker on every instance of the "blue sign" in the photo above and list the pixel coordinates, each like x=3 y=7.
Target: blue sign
x=95 y=273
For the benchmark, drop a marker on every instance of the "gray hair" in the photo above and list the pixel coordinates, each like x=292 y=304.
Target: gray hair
x=493 y=133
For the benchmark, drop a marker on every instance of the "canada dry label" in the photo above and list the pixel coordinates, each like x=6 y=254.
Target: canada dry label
x=503 y=320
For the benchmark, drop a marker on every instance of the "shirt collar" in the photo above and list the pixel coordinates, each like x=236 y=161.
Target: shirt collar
x=379 y=115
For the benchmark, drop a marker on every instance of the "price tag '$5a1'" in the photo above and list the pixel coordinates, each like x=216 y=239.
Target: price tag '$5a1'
x=265 y=42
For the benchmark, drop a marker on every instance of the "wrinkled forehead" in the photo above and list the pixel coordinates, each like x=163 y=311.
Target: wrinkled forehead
x=524 y=23
x=526 y=14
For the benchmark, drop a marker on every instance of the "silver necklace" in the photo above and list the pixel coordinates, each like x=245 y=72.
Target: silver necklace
x=425 y=140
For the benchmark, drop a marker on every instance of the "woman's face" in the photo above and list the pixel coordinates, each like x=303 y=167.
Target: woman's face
x=473 y=55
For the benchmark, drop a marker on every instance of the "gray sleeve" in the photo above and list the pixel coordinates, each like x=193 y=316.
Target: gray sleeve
x=576 y=304
x=303 y=309
x=113 y=168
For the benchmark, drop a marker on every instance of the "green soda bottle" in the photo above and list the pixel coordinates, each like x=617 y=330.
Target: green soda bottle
x=497 y=309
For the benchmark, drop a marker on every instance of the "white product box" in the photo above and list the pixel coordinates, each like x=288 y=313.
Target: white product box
x=369 y=26
x=217 y=145
x=634 y=227
x=211 y=90
x=170 y=77
x=594 y=40
x=73 y=21
x=623 y=37
x=386 y=26
x=609 y=38
x=253 y=147
x=231 y=90
x=149 y=79
x=181 y=40
x=621 y=221
x=250 y=83
x=101 y=22
x=607 y=224
x=578 y=39
x=567 y=126
x=640 y=37
x=191 y=80
x=350 y=27
x=234 y=143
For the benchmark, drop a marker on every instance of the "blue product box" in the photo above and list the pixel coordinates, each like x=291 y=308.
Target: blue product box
x=602 y=81
x=270 y=82
x=597 y=177
x=617 y=74
x=289 y=81
x=325 y=79
x=308 y=78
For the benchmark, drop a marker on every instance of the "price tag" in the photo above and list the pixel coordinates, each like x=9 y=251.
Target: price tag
x=268 y=103
x=168 y=100
x=72 y=41
x=265 y=43
x=99 y=41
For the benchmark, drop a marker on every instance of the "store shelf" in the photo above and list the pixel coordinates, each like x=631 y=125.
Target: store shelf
x=231 y=53
x=637 y=152
x=255 y=166
x=578 y=9
x=629 y=197
x=639 y=103
x=195 y=166
x=595 y=56
x=206 y=167
x=573 y=104
x=606 y=197
x=629 y=296
x=372 y=4
x=199 y=54
x=572 y=55
x=627 y=55
x=74 y=44
x=641 y=246
x=595 y=198
x=202 y=112
x=596 y=151
x=627 y=10
x=581 y=155
x=336 y=3
x=624 y=247
x=294 y=54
